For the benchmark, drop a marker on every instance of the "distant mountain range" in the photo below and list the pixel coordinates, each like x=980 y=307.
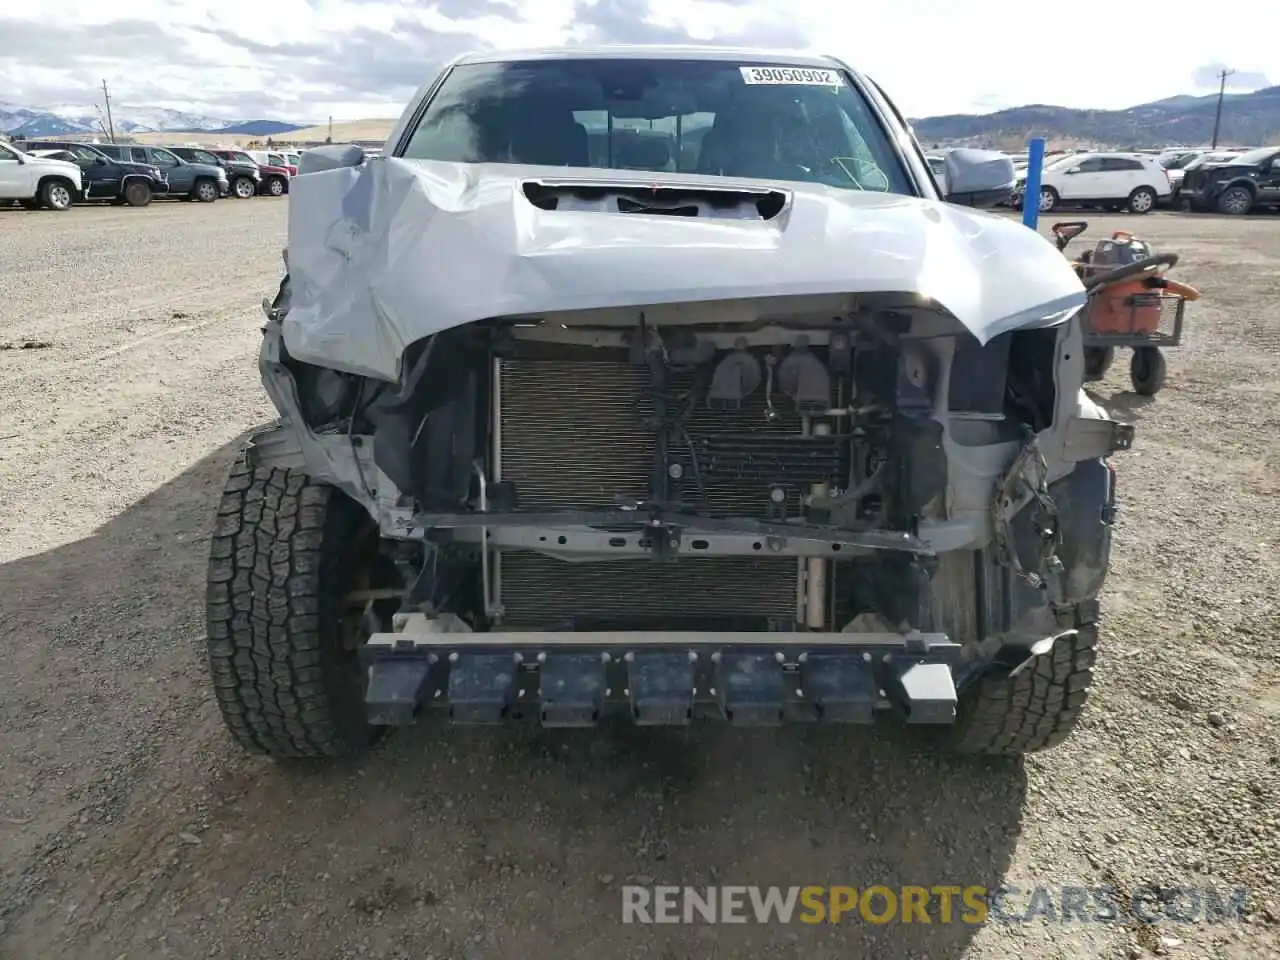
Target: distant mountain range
x=1248 y=119
x=21 y=121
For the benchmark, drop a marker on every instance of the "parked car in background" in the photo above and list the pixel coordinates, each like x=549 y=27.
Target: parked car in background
x=1113 y=181
x=198 y=181
x=938 y=167
x=1174 y=158
x=1217 y=156
x=245 y=177
x=103 y=177
x=275 y=179
x=273 y=158
x=281 y=160
x=1235 y=186
x=1179 y=166
x=38 y=181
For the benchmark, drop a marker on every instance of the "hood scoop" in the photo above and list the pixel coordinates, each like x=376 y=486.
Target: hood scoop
x=668 y=200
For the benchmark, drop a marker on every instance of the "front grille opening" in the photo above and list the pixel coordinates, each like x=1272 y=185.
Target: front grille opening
x=627 y=205
x=674 y=201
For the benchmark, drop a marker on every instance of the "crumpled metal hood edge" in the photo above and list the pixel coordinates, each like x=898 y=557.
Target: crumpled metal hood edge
x=386 y=254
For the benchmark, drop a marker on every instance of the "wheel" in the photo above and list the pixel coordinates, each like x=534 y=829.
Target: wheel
x=56 y=195
x=1235 y=201
x=282 y=644
x=1147 y=371
x=244 y=188
x=137 y=193
x=1048 y=199
x=1142 y=200
x=275 y=186
x=1097 y=361
x=206 y=191
x=1033 y=710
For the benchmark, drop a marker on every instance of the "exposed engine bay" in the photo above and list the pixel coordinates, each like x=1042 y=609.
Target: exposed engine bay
x=614 y=472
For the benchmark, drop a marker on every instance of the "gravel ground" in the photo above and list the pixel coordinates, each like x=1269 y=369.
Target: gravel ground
x=131 y=828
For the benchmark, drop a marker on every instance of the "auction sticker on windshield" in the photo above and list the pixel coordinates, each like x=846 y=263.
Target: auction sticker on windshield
x=797 y=75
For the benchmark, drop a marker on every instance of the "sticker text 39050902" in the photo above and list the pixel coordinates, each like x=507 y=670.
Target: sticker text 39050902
x=809 y=76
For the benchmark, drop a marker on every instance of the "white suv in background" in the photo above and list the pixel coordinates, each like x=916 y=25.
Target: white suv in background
x=38 y=181
x=1114 y=181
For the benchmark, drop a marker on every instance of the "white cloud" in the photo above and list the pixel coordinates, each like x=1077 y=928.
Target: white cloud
x=308 y=59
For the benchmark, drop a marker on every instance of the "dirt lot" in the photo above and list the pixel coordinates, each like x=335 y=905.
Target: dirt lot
x=130 y=827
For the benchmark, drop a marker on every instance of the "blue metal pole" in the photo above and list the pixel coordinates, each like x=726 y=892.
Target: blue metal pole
x=1031 y=192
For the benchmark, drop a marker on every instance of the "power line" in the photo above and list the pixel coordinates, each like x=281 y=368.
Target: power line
x=1222 y=90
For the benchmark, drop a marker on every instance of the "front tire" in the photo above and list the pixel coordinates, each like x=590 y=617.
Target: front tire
x=284 y=664
x=137 y=193
x=57 y=195
x=1142 y=200
x=206 y=191
x=1032 y=711
x=1235 y=201
x=244 y=188
x=275 y=187
x=1048 y=199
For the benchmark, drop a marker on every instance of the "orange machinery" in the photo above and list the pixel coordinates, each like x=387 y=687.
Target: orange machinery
x=1132 y=303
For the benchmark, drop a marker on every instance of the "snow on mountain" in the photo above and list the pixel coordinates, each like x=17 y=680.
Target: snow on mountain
x=24 y=121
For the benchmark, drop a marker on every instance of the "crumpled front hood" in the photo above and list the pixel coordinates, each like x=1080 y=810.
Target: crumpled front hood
x=383 y=255
x=57 y=166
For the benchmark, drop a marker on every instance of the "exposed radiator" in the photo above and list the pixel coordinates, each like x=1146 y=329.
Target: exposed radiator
x=540 y=592
x=574 y=434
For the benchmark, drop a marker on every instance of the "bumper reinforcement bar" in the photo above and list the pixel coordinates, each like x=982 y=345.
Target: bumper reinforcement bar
x=661 y=679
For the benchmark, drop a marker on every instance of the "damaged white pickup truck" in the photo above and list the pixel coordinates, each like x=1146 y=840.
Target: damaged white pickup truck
x=662 y=383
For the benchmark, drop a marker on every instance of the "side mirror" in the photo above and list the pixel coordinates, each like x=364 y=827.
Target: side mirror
x=99 y=161
x=331 y=157
x=979 y=178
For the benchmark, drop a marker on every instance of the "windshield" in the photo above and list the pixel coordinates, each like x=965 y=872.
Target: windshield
x=163 y=155
x=688 y=116
x=1210 y=158
x=1256 y=156
x=1178 y=163
x=78 y=152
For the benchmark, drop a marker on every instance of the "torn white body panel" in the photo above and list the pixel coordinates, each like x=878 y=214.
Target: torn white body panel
x=383 y=255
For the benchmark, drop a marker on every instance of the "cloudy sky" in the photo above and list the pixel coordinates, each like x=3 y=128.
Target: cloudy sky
x=307 y=59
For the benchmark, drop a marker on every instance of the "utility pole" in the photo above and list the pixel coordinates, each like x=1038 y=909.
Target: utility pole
x=106 y=99
x=1222 y=90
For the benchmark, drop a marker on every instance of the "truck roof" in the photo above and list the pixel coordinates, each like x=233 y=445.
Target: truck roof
x=631 y=51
